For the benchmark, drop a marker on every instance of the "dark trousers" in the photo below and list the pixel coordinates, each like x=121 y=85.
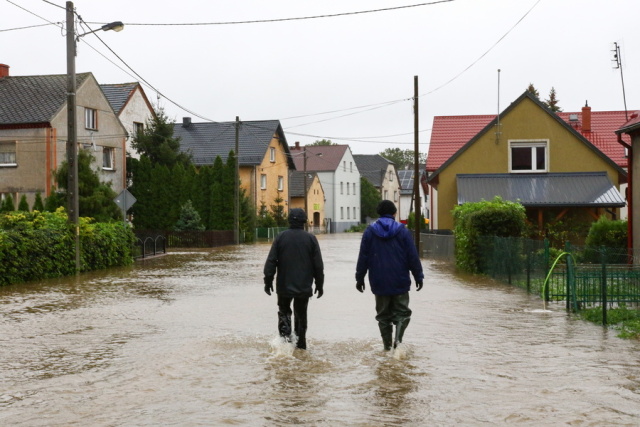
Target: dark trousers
x=299 y=317
x=392 y=310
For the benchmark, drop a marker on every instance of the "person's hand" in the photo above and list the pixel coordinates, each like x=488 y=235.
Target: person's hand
x=418 y=285
x=319 y=290
x=268 y=286
x=360 y=286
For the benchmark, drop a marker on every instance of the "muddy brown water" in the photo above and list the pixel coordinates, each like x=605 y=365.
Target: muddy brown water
x=189 y=339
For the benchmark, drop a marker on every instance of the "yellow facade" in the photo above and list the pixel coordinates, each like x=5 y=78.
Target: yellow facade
x=269 y=180
x=315 y=203
x=489 y=154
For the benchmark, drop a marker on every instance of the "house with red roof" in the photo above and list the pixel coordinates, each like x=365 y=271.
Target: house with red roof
x=555 y=164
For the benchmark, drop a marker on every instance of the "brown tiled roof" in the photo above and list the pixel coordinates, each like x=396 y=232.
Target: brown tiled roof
x=320 y=158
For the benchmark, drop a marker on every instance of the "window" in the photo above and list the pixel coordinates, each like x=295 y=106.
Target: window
x=348 y=213
x=280 y=183
x=272 y=154
x=350 y=166
x=348 y=188
x=341 y=212
x=138 y=129
x=263 y=182
x=386 y=195
x=108 y=158
x=395 y=196
x=8 y=153
x=390 y=175
x=528 y=156
x=341 y=187
x=344 y=165
x=354 y=188
x=91 y=118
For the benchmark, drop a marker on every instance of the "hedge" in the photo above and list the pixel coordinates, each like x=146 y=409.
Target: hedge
x=40 y=245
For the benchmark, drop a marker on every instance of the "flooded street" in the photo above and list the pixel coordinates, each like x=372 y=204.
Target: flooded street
x=188 y=339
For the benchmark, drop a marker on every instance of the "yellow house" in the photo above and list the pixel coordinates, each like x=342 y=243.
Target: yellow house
x=264 y=157
x=314 y=194
x=529 y=154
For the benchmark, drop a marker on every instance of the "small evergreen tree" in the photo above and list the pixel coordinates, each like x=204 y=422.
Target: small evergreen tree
x=531 y=89
x=7 y=204
x=265 y=218
x=189 y=219
x=23 y=206
x=157 y=142
x=279 y=215
x=552 y=101
x=38 y=205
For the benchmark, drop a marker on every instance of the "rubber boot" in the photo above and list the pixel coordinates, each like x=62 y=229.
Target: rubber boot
x=301 y=332
x=400 y=328
x=284 y=326
x=386 y=331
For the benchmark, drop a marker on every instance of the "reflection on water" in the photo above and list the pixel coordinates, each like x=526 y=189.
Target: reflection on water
x=190 y=339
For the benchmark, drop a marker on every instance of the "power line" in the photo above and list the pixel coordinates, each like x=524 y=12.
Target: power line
x=262 y=21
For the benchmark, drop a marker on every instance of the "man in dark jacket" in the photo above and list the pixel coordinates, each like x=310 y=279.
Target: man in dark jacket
x=295 y=256
x=388 y=253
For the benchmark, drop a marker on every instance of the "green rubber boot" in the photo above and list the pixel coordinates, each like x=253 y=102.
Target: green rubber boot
x=400 y=328
x=386 y=331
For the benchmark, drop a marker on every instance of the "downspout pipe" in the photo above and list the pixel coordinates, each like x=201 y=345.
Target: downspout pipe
x=629 y=197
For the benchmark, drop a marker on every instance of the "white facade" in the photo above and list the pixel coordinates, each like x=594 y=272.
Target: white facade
x=342 y=194
x=134 y=115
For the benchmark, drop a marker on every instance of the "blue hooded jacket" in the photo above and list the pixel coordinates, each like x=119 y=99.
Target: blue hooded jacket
x=388 y=254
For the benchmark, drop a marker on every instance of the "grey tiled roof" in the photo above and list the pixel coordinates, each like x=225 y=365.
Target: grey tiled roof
x=372 y=167
x=541 y=190
x=206 y=141
x=118 y=94
x=296 y=183
x=33 y=99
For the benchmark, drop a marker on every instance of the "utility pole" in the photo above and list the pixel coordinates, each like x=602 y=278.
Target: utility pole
x=236 y=188
x=72 y=137
x=304 y=162
x=416 y=165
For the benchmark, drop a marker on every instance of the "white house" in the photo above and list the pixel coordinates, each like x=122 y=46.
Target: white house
x=338 y=173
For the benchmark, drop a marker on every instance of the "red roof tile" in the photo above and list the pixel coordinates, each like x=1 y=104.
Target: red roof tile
x=450 y=133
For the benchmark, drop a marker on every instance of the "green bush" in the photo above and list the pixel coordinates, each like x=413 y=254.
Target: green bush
x=474 y=221
x=607 y=242
x=40 y=245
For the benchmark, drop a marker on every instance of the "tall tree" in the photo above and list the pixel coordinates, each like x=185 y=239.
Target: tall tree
x=157 y=142
x=369 y=199
x=403 y=159
x=552 y=101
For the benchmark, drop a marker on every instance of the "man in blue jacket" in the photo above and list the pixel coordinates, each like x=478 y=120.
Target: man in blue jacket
x=388 y=253
x=296 y=258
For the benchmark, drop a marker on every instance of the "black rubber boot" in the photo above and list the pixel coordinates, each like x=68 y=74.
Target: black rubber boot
x=401 y=326
x=301 y=332
x=284 y=326
x=386 y=331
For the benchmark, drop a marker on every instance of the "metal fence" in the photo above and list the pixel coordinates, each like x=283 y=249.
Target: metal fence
x=578 y=276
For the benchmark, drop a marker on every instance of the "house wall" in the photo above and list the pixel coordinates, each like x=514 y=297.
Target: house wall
x=136 y=110
x=278 y=168
x=315 y=202
x=526 y=121
x=342 y=207
x=391 y=186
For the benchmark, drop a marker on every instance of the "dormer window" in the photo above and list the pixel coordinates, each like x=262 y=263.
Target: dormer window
x=528 y=156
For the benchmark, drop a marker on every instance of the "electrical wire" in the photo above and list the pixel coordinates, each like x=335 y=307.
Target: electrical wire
x=262 y=21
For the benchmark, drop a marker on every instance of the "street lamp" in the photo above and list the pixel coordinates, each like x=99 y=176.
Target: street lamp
x=72 y=134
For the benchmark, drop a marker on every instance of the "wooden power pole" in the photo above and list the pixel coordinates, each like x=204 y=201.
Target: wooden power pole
x=416 y=165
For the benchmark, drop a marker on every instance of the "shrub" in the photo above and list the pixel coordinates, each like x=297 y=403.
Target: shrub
x=39 y=245
x=609 y=236
x=474 y=221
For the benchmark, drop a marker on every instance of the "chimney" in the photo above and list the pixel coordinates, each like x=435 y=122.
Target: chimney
x=297 y=147
x=586 y=118
x=4 y=70
x=186 y=122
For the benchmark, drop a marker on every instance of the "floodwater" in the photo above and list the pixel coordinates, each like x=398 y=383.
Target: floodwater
x=189 y=339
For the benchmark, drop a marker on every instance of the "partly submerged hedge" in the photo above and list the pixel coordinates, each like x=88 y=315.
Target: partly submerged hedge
x=39 y=245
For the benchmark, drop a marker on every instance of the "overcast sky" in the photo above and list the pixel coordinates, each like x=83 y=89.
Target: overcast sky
x=348 y=78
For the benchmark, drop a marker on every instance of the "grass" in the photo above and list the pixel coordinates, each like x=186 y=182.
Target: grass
x=625 y=320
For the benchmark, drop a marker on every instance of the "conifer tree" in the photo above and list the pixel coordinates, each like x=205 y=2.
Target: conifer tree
x=189 y=219
x=7 y=204
x=23 y=206
x=38 y=204
x=552 y=101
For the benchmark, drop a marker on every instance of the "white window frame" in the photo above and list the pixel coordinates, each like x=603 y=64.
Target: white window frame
x=280 y=183
x=272 y=154
x=348 y=189
x=138 y=129
x=341 y=187
x=348 y=212
x=341 y=212
x=390 y=176
x=263 y=181
x=344 y=165
x=108 y=158
x=90 y=118
x=8 y=154
x=354 y=188
x=533 y=145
